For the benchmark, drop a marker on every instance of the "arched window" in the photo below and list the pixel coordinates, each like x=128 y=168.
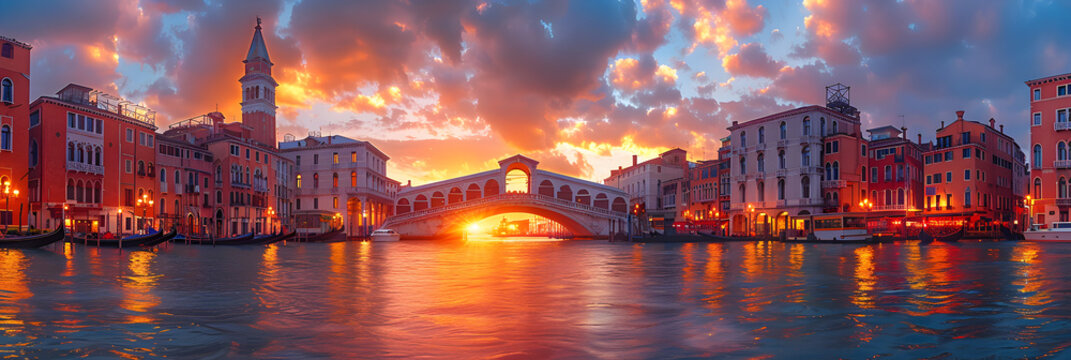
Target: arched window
x=966 y=197
x=1061 y=151
x=781 y=189
x=836 y=170
x=70 y=152
x=96 y=192
x=822 y=126
x=900 y=195
x=1037 y=156
x=353 y=179
x=762 y=163
x=806 y=125
x=743 y=139
x=888 y=197
x=5 y=137
x=784 y=130
x=316 y=180
x=219 y=174
x=1063 y=188
x=888 y=173
x=829 y=171
x=761 y=191
x=70 y=189
x=781 y=159
x=334 y=180
x=163 y=176
x=1037 y=188
x=805 y=184
x=7 y=90
x=141 y=167
x=834 y=126
x=81 y=154
x=743 y=165
x=97 y=154
x=79 y=189
x=298 y=181
x=805 y=156
x=864 y=174
x=743 y=193
x=762 y=135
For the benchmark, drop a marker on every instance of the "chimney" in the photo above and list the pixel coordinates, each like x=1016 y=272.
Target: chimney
x=903 y=132
x=959 y=115
x=409 y=183
x=735 y=122
x=1001 y=128
x=942 y=124
x=992 y=123
x=920 y=138
x=633 y=160
x=329 y=140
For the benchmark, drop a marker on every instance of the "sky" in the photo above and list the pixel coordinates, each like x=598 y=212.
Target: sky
x=448 y=87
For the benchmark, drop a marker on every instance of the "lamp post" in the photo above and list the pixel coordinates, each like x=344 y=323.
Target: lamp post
x=64 y=215
x=364 y=222
x=1029 y=212
x=867 y=205
x=271 y=218
x=145 y=203
x=750 y=219
x=119 y=222
x=8 y=193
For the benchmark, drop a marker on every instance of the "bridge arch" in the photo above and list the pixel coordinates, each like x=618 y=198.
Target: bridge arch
x=455 y=196
x=565 y=193
x=420 y=203
x=491 y=188
x=437 y=199
x=473 y=192
x=546 y=188
x=459 y=221
x=402 y=207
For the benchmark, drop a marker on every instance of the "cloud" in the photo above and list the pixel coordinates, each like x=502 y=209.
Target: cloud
x=751 y=60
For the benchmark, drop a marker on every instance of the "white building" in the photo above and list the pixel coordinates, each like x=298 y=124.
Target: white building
x=776 y=167
x=643 y=182
x=338 y=179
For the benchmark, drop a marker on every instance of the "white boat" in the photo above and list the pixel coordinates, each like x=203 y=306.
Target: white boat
x=1060 y=231
x=386 y=235
x=840 y=227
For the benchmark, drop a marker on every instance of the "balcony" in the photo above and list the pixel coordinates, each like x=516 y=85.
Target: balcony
x=1062 y=126
x=193 y=189
x=782 y=172
x=834 y=184
x=782 y=143
x=811 y=170
x=1062 y=164
x=891 y=207
x=809 y=139
x=830 y=203
x=86 y=168
x=1063 y=202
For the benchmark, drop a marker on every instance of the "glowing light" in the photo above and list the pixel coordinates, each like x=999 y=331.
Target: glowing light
x=670 y=112
x=474 y=227
x=667 y=73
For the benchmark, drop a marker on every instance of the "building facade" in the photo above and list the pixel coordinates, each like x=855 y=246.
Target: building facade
x=974 y=174
x=339 y=176
x=1050 y=108
x=14 y=123
x=186 y=186
x=643 y=183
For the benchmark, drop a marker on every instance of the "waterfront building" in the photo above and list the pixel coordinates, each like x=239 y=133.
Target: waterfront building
x=643 y=183
x=778 y=165
x=1050 y=108
x=725 y=167
x=975 y=174
x=697 y=207
x=186 y=186
x=339 y=176
x=844 y=158
x=96 y=161
x=14 y=122
x=894 y=177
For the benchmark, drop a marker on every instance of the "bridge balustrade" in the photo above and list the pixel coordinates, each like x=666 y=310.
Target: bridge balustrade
x=500 y=198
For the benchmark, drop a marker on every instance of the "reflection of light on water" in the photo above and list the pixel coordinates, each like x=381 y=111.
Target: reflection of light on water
x=138 y=287
x=487 y=238
x=714 y=276
x=864 y=277
x=1030 y=277
x=13 y=282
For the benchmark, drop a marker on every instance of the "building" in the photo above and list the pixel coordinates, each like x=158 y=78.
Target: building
x=894 y=177
x=643 y=183
x=697 y=207
x=974 y=174
x=186 y=185
x=339 y=176
x=844 y=159
x=14 y=123
x=785 y=150
x=96 y=165
x=1050 y=108
x=258 y=91
x=725 y=173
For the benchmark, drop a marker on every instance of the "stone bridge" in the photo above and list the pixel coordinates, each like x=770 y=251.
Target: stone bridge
x=445 y=209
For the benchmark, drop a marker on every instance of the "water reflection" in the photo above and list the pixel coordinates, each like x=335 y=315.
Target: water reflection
x=538 y=300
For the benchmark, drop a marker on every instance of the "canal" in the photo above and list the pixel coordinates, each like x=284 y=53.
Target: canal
x=525 y=299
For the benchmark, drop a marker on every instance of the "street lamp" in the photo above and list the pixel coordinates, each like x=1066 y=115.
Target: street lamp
x=271 y=217
x=1029 y=211
x=8 y=193
x=751 y=219
x=119 y=221
x=145 y=203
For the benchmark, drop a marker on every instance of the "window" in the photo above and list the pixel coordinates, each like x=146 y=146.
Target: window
x=805 y=184
x=129 y=166
x=7 y=88
x=863 y=153
x=353 y=157
x=298 y=181
x=297 y=161
x=334 y=202
x=948 y=155
x=1061 y=91
x=129 y=135
x=1037 y=188
x=316 y=180
x=33 y=152
x=805 y=156
x=948 y=176
x=5 y=138
x=784 y=130
x=966 y=175
x=966 y=153
x=89 y=124
x=1037 y=156
x=874 y=174
x=929 y=179
x=781 y=189
x=334 y=180
x=353 y=179
x=8 y=51
x=1037 y=94
x=762 y=163
x=334 y=158
x=762 y=135
x=1061 y=151
x=806 y=125
x=780 y=159
x=743 y=139
x=1061 y=116
x=315 y=159
x=316 y=203
x=247 y=154
x=1037 y=119
x=888 y=173
x=743 y=165
x=863 y=173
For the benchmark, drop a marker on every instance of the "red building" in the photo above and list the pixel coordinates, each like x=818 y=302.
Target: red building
x=97 y=155
x=186 y=188
x=14 y=122
x=843 y=158
x=974 y=174
x=1050 y=108
x=894 y=178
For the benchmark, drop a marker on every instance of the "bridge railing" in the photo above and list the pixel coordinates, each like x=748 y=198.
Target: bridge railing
x=509 y=197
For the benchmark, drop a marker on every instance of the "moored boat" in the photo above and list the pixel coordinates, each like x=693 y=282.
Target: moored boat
x=834 y=228
x=129 y=241
x=281 y=237
x=32 y=241
x=1059 y=232
x=385 y=235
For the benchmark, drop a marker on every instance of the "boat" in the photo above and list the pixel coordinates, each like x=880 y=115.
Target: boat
x=835 y=228
x=281 y=237
x=129 y=241
x=385 y=235
x=167 y=237
x=926 y=237
x=244 y=239
x=326 y=237
x=1059 y=232
x=33 y=241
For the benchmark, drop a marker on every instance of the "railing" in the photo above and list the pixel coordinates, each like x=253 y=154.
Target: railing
x=241 y=185
x=736 y=206
x=1063 y=202
x=782 y=172
x=891 y=207
x=1061 y=164
x=782 y=143
x=811 y=169
x=92 y=169
x=830 y=203
x=1062 y=126
x=834 y=184
x=809 y=139
x=502 y=198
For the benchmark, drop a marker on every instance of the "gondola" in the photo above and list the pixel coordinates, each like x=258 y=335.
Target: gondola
x=244 y=239
x=281 y=237
x=324 y=237
x=129 y=241
x=165 y=238
x=925 y=236
x=33 y=241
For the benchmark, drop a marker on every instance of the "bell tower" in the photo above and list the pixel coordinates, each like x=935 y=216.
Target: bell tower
x=258 y=91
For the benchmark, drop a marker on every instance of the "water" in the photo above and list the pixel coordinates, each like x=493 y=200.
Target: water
x=582 y=299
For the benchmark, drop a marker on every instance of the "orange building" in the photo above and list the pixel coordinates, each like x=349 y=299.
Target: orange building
x=974 y=173
x=186 y=188
x=96 y=159
x=844 y=156
x=14 y=121
x=1050 y=108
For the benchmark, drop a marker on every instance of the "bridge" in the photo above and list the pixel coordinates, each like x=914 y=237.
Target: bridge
x=446 y=208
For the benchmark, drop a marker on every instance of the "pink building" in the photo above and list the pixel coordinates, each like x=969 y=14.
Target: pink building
x=1050 y=108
